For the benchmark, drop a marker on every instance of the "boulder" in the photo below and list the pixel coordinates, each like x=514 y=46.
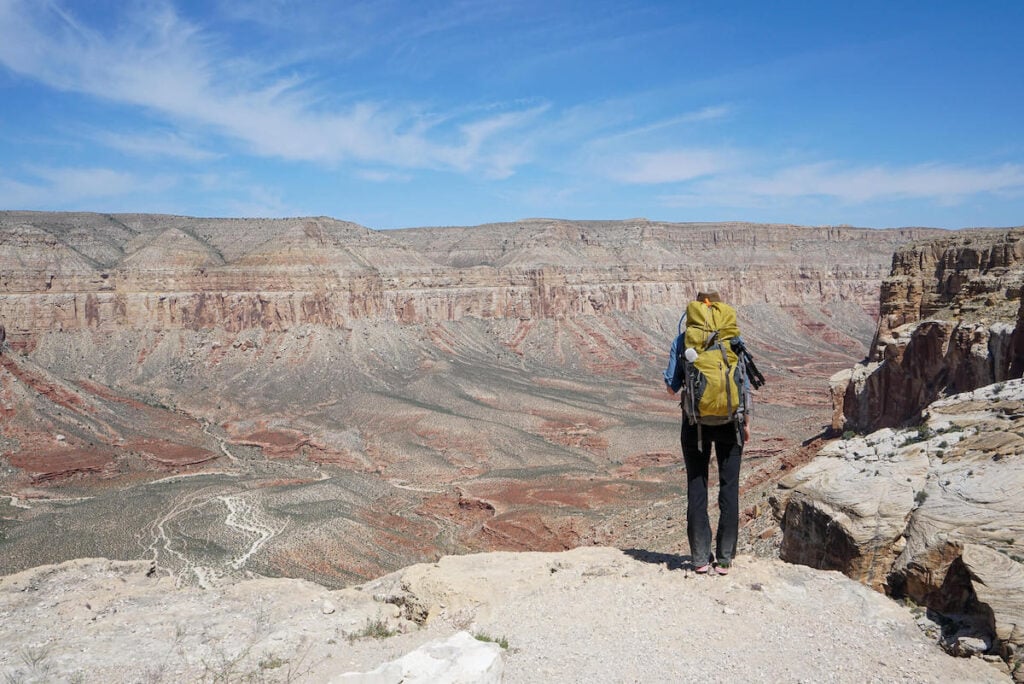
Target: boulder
x=847 y=510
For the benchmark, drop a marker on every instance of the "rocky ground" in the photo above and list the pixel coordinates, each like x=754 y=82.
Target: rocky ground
x=591 y=614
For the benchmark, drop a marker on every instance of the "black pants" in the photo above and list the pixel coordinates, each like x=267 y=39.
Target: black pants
x=698 y=526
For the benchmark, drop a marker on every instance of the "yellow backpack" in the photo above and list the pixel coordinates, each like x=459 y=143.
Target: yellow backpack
x=714 y=376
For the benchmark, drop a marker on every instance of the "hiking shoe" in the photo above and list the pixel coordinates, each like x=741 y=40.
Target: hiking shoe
x=703 y=569
x=722 y=567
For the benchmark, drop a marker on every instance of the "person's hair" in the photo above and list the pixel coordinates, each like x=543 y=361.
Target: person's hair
x=708 y=296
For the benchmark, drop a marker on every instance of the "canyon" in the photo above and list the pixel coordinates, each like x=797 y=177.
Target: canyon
x=311 y=398
x=215 y=401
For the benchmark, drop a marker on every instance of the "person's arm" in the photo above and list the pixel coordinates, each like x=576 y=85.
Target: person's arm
x=673 y=374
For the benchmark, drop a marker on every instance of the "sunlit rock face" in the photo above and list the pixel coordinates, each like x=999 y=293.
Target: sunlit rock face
x=927 y=503
x=933 y=512
x=948 y=323
x=311 y=398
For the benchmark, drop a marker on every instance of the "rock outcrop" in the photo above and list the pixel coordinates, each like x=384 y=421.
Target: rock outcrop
x=459 y=658
x=933 y=513
x=948 y=320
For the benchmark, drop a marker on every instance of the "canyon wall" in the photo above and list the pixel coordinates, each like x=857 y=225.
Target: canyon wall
x=310 y=398
x=104 y=272
x=930 y=510
x=948 y=318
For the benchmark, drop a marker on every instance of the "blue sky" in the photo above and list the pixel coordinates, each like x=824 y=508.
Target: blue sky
x=394 y=113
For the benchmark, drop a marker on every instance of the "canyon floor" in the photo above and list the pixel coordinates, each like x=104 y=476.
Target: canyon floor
x=340 y=455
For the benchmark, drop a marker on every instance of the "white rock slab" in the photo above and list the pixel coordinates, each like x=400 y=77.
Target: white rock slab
x=459 y=659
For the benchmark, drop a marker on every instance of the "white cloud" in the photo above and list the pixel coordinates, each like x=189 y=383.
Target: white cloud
x=941 y=184
x=673 y=166
x=711 y=113
x=167 y=65
x=17 y=194
x=382 y=176
x=68 y=186
x=939 y=181
x=156 y=145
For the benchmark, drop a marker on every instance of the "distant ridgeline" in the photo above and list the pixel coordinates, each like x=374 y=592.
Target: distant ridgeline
x=63 y=271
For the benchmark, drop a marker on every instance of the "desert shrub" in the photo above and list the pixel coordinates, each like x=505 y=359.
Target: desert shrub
x=373 y=629
x=919 y=434
x=501 y=641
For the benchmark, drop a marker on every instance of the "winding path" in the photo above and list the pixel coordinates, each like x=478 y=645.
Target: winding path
x=245 y=515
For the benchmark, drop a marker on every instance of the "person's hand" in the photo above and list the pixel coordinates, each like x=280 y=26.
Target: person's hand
x=746 y=432
x=671 y=392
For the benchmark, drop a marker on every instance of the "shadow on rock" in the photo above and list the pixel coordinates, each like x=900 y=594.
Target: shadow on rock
x=672 y=560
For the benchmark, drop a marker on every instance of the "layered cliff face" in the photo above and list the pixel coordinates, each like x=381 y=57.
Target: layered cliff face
x=93 y=272
x=947 y=320
x=315 y=399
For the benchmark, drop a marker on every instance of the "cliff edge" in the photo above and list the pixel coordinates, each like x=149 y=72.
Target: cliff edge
x=927 y=505
x=591 y=614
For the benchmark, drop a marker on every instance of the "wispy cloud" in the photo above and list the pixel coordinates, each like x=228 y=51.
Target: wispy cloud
x=165 y=144
x=260 y=201
x=382 y=176
x=164 y=63
x=712 y=113
x=937 y=181
x=945 y=184
x=67 y=186
x=673 y=166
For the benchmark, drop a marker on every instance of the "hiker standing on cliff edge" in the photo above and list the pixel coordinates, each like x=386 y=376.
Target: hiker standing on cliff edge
x=709 y=363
